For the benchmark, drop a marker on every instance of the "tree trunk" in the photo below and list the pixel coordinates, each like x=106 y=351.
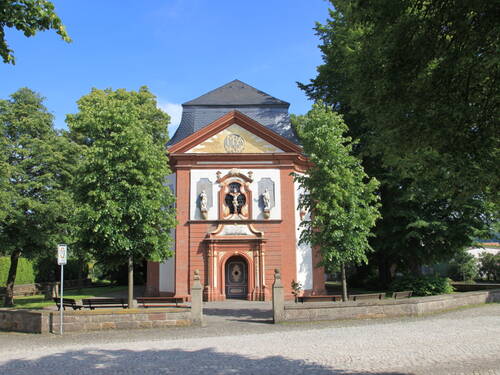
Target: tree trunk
x=130 y=282
x=344 y=283
x=386 y=271
x=11 y=278
x=415 y=267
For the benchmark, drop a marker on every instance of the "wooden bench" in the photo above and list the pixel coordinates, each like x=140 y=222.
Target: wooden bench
x=160 y=301
x=403 y=294
x=320 y=298
x=361 y=297
x=93 y=303
x=67 y=302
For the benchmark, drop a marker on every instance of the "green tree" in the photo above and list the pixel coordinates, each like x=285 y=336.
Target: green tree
x=125 y=209
x=490 y=266
x=339 y=194
x=38 y=203
x=422 y=75
x=435 y=197
x=463 y=266
x=28 y=16
x=418 y=227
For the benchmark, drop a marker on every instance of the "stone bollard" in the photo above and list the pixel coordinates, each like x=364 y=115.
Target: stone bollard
x=197 y=300
x=278 y=298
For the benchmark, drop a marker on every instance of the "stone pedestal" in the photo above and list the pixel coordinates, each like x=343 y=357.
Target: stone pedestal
x=278 y=298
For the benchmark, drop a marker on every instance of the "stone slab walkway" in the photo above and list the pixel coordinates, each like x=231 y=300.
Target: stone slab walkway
x=239 y=339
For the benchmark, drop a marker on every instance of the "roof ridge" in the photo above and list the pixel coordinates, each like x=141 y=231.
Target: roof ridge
x=236 y=92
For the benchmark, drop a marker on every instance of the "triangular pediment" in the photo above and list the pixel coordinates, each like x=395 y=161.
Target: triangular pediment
x=234 y=139
x=235 y=133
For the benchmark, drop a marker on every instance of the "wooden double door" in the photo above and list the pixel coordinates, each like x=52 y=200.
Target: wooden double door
x=236 y=275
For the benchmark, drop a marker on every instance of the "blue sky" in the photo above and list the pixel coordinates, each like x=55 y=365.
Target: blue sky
x=180 y=49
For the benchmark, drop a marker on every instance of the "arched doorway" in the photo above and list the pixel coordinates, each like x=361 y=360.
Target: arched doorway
x=236 y=278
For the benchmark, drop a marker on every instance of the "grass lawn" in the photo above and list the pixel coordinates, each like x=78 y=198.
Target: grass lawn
x=37 y=301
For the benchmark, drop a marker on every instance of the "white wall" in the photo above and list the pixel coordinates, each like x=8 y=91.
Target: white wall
x=258 y=174
x=304 y=251
x=167 y=269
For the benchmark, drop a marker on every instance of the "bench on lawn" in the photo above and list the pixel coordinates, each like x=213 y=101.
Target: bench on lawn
x=93 y=303
x=403 y=294
x=67 y=302
x=319 y=298
x=160 y=301
x=361 y=297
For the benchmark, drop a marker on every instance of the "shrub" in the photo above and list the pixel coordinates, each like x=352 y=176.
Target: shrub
x=423 y=285
x=490 y=266
x=463 y=266
x=25 y=272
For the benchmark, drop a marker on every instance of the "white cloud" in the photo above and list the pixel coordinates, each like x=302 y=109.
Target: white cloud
x=174 y=110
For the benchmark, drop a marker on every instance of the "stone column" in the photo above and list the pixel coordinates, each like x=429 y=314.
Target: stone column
x=278 y=298
x=197 y=300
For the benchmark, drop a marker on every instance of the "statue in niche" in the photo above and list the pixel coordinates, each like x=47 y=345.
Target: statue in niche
x=204 y=204
x=266 y=200
x=235 y=200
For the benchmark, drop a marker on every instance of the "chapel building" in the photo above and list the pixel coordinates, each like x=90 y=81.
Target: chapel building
x=232 y=159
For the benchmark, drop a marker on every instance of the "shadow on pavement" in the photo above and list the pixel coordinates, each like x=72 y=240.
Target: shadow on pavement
x=173 y=361
x=238 y=313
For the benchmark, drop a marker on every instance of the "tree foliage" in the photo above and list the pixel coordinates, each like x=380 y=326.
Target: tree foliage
x=338 y=193
x=422 y=75
x=463 y=266
x=125 y=210
x=429 y=285
x=28 y=16
x=414 y=80
x=490 y=266
x=39 y=168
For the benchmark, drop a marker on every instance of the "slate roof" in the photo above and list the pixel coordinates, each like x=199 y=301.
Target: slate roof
x=235 y=95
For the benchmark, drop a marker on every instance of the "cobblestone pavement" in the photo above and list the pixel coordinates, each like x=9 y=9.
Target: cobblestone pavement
x=238 y=339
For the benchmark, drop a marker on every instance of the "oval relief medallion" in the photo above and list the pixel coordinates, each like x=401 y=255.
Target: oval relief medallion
x=234 y=143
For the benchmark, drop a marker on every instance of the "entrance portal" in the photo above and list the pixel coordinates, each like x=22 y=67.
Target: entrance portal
x=236 y=278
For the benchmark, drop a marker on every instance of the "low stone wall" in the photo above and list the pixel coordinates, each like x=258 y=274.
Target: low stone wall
x=463 y=287
x=316 y=311
x=93 y=320
x=44 y=321
x=23 y=321
x=76 y=321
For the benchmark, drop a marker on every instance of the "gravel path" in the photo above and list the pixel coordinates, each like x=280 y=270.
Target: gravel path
x=239 y=340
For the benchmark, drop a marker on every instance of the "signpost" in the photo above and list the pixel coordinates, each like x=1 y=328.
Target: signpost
x=62 y=251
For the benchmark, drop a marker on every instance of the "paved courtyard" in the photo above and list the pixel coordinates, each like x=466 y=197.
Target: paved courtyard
x=239 y=339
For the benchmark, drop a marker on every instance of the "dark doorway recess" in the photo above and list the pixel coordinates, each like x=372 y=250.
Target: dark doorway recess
x=236 y=273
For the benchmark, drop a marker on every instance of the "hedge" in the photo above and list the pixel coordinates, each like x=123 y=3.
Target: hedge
x=25 y=271
x=429 y=285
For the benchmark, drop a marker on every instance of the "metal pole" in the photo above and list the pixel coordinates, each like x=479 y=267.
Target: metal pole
x=61 y=306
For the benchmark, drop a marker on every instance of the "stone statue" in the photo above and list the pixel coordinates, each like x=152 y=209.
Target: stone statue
x=204 y=204
x=235 y=202
x=266 y=199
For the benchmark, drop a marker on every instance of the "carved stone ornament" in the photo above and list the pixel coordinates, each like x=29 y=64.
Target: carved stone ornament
x=234 y=143
x=266 y=200
x=203 y=201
